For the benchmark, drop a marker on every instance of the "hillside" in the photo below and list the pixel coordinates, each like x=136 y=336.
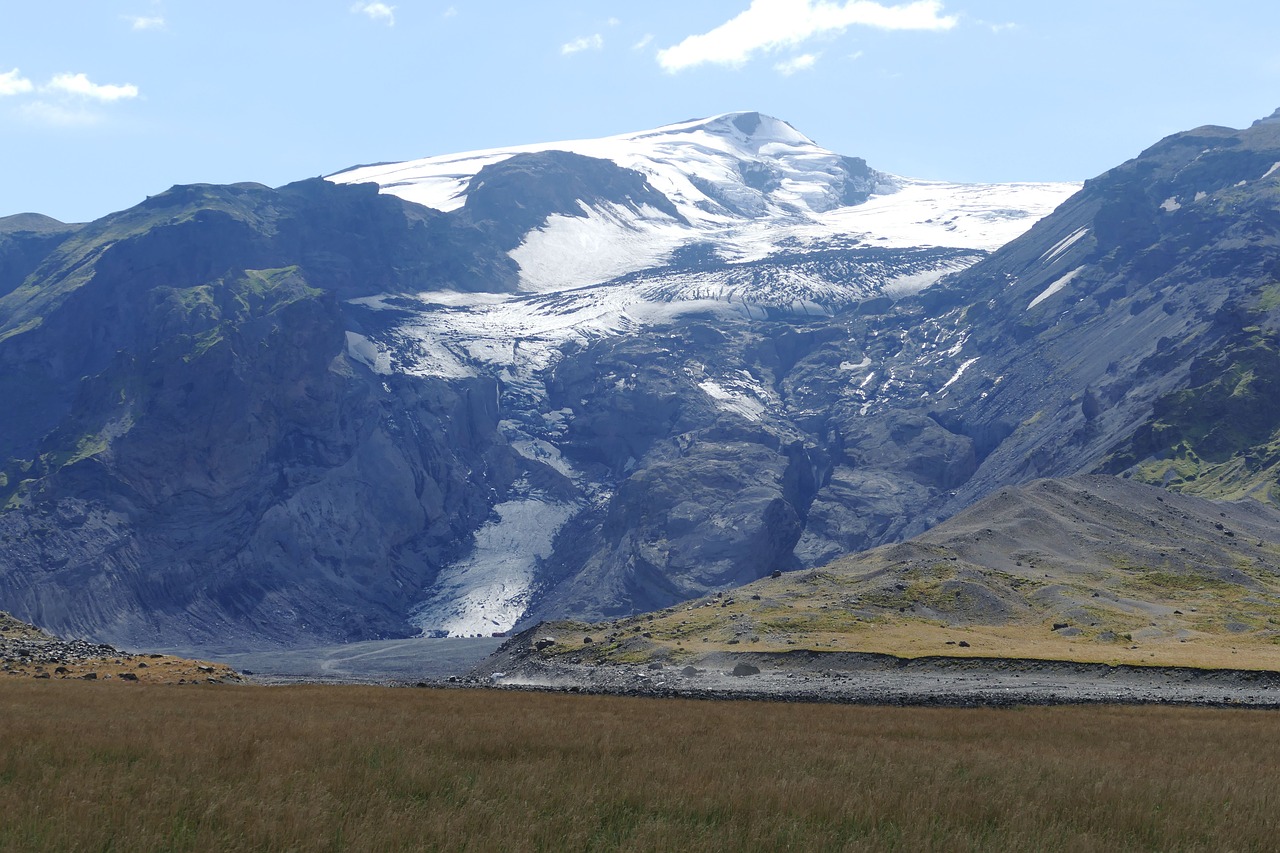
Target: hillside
x=1094 y=569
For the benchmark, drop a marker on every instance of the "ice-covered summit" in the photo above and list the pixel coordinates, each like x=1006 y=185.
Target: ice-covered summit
x=742 y=183
x=715 y=170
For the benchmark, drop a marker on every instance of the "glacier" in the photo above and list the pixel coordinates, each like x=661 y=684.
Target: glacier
x=758 y=221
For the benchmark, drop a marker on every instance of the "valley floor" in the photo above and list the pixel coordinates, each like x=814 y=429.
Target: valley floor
x=878 y=679
x=147 y=767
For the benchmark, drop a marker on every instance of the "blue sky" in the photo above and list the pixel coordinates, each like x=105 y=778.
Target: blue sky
x=103 y=102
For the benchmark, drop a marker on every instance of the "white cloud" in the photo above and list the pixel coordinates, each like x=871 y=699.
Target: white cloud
x=803 y=62
x=612 y=22
x=82 y=86
x=1002 y=28
x=451 y=12
x=769 y=25
x=591 y=42
x=13 y=83
x=146 y=22
x=377 y=12
x=644 y=42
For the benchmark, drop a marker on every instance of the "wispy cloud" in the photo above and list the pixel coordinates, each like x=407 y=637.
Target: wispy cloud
x=591 y=42
x=80 y=85
x=644 y=42
x=59 y=115
x=1003 y=28
x=67 y=100
x=803 y=62
x=451 y=12
x=145 y=22
x=377 y=12
x=13 y=83
x=769 y=25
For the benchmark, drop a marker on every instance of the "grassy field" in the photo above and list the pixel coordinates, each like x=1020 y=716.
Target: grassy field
x=114 y=767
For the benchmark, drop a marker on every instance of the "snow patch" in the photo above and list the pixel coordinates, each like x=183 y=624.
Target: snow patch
x=366 y=352
x=609 y=241
x=1170 y=204
x=1055 y=287
x=1064 y=244
x=959 y=372
x=538 y=450
x=912 y=283
x=734 y=400
x=937 y=213
x=1274 y=168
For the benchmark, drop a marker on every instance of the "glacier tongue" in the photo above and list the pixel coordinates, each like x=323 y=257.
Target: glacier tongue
x=487 y=592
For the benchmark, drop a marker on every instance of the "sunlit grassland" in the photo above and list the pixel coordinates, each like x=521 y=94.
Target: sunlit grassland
x=109 y=767
x=1127 y=614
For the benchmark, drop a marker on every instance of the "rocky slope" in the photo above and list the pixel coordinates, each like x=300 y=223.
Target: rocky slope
x=1094 y=569
x=28 y=652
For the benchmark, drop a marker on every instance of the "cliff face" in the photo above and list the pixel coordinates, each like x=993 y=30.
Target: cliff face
x=197 y=456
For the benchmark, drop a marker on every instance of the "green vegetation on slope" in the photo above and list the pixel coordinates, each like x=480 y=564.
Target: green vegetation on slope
x=192 y=322
x=1220 y=436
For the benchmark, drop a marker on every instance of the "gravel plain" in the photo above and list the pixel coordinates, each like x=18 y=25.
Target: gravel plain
x=806 y=676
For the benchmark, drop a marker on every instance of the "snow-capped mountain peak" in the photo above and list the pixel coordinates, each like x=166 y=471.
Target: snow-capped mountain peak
x=747 y=127
x=742 y=183
x=715 y=170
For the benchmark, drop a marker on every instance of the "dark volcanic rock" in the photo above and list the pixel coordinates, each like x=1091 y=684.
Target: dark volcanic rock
x=511 y=198
x=200 y=457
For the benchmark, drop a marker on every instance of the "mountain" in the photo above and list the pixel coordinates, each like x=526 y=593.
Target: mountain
x=194 y=456
x=1135 y=329
x=602 y=377
x=643 y=356
x=25 y=238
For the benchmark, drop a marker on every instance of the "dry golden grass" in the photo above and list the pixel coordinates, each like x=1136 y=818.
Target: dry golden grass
x=1184 y=627
x=146 y=669
x=88 y=767
x=914 y=638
